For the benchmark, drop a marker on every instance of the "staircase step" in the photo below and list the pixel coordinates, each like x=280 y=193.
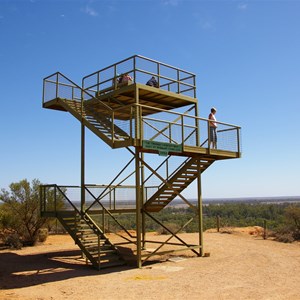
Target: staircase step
x=92 y=244
x=154 y=208
x=186 y=176
x=92 y=239
x=177 y=182
x=85 y=231
x=107 y=257
x=112 y=264
x=104 y=252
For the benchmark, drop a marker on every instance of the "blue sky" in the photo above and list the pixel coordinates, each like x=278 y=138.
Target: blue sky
x=245 y=55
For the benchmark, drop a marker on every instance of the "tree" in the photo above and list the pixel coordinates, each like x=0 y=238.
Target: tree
x=292 y=215
x=20 y=210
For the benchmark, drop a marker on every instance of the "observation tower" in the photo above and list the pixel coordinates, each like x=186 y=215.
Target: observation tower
x=169 y=148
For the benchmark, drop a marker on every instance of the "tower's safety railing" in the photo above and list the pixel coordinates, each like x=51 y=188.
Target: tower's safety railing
x=59 y=86
x=68 y=198
x=180 y=129
x=55 y=198
x=141 y=69
x=159 y=125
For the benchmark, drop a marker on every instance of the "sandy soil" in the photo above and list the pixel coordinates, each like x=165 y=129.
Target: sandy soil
x=240 y=266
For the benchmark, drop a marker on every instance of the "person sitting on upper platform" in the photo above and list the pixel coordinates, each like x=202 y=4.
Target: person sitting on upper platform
x=152 y=82
x=125 y=78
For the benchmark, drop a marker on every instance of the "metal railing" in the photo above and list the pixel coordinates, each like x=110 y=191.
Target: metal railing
x=141 y=69
x=160 y=126
x=55 y=198
x=179 y=129
x=58 y=85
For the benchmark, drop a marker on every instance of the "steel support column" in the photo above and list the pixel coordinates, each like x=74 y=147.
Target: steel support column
x=82 y=206
x=138 y=209
x=200 y=219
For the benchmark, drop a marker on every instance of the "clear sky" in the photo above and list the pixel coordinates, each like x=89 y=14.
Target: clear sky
x=245 y=54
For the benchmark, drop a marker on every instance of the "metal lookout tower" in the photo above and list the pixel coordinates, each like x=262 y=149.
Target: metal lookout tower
x=169 y=146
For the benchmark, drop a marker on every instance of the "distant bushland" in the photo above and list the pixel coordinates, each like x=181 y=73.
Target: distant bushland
x=280 y=217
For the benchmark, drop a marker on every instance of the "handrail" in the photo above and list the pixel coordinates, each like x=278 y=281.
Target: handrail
x=111 y=215
x=106 y=68
x=143 y=57
x=135 y=67
x=56 y=187
x=62 y=75
x=174 y=113
x=116 y=177
x=189 y=124
x=164 y=64
x=83 y=91
x=165 y=161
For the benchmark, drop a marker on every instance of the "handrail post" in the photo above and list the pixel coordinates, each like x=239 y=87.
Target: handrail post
x=197 y=124
x=131 y=113
x=134 y=69
x=44 y=90
x=141 y=123
x=238 y=139
x=208 y=135
x=178 y=82
x=158 y=73
x=55 y=186
x=182 y=131
x=113 y=127
x=194 y=83
x=57 y=85
x=103 y=221
x=114 y=198
x=167 y=169
x=98 y=252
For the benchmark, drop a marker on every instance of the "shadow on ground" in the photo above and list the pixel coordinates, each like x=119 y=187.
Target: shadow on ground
x=17 y=271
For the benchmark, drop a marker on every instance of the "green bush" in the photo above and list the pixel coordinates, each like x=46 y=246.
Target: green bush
x=13 y=241
x=173 y=227
x=42 y=235
x=20 y=211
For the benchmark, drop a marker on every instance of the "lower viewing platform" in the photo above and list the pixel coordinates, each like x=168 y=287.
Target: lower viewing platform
x=152 y=129
x=205 y=153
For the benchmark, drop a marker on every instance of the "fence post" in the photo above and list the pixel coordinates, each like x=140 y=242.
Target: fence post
x=265 y=229
x=218 y=223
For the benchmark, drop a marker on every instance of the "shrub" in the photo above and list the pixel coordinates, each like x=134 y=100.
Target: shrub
x=173 y=227
x=292 y=216
x=42 y=235
x=13 y=241
x=286 y=237
x=20 y=210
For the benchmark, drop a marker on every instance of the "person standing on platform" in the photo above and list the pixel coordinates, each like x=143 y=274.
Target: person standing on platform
x=213 y=128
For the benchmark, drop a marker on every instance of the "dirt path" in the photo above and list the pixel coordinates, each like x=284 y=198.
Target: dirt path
x=240 y=266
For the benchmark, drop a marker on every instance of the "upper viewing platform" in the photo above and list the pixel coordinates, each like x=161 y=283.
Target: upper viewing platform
x=143 y=103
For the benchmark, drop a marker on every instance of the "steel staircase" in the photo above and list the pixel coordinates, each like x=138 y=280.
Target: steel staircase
x=93 y=243
x=176 y=183
x=99 y=124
